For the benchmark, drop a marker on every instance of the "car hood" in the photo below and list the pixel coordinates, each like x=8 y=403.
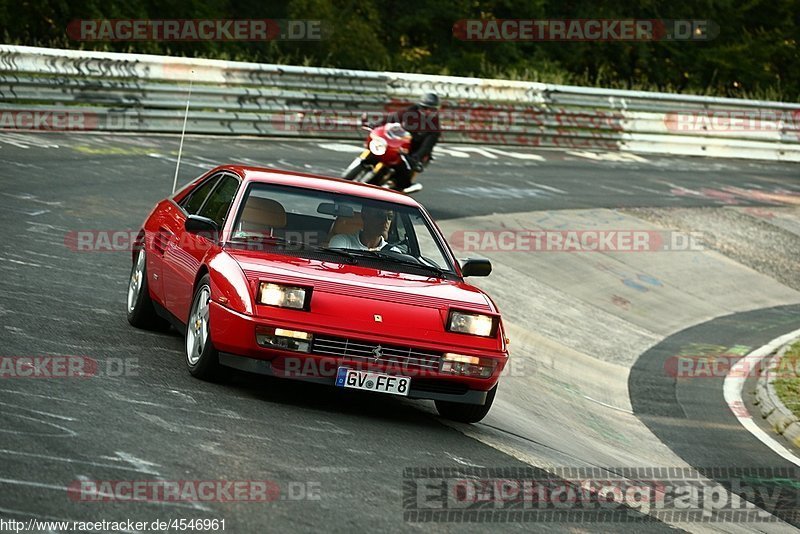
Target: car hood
x=366 y=300
x=365 y=282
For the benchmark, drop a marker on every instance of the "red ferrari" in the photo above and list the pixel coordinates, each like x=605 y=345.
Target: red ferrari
x=318 y=279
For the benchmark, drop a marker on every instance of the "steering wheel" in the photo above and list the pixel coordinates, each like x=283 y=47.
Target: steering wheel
x=390 y=245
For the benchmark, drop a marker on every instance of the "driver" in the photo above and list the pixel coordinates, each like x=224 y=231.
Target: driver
x=373 y=234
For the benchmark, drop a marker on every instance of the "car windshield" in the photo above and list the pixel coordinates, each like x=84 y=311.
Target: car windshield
x=347 y=228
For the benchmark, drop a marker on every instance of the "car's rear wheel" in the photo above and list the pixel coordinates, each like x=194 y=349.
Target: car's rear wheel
x=466 y=413
x=141 y=312
x=202 y=359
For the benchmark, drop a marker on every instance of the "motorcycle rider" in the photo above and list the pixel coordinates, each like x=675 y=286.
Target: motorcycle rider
x=421 y=120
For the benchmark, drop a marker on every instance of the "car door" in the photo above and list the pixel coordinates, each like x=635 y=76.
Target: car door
x=184 y=256
x=163 y=229
x=170 y=229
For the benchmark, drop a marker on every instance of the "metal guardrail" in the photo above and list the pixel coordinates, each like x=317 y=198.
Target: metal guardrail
x=133 y=92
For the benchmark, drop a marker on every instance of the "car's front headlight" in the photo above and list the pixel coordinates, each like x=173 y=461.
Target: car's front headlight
x=378 y=146
x=476 y=324
x=283 y=296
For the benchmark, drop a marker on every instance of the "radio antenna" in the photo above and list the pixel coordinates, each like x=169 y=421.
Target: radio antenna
x=183 y=133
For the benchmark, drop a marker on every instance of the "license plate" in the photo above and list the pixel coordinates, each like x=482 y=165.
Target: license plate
x=350 y=378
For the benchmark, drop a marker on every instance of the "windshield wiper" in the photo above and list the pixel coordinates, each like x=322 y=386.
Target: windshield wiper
x=420 y=265
x=275 y=240
x=395 y=259
x=337 y=251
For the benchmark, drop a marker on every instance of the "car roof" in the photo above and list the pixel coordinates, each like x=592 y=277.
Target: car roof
x=318 y=182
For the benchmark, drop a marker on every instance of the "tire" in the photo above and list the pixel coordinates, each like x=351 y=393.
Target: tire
x=375 y=178
x=202 y=359
x=141 y=312
x=466 y=413
x=355 y=170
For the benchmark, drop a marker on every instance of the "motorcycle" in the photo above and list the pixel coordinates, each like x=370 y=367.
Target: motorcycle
x=387 y=148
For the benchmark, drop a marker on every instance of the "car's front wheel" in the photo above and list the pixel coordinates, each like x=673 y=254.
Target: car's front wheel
x=466 y=413
x=375 y=178
x=202 y=359
x=355 y=170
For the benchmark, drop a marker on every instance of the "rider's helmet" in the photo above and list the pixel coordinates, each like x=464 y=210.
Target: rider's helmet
x=429 y=100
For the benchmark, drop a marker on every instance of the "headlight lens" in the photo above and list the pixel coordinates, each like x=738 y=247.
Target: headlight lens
x=377 y=146
x=471 y=323
x=282 y=296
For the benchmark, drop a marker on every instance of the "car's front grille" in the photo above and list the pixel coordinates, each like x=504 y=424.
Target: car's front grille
x=367 y=351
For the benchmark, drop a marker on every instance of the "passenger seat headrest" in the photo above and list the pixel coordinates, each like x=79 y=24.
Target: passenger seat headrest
x=261 y=213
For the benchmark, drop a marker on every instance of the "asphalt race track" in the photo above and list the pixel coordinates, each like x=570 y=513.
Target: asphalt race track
x=337 y=459
x=691 y=416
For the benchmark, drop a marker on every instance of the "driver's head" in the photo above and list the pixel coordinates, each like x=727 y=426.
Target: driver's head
x=376 y=220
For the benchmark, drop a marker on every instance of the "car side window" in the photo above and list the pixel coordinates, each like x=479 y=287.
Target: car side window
x=194 y=201
x=219 y=201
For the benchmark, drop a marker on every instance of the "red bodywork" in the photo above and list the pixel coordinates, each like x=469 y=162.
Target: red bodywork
x=396 y=145
x=345 y=298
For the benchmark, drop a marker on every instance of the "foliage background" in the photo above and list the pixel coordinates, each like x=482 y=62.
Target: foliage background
x=754 y=56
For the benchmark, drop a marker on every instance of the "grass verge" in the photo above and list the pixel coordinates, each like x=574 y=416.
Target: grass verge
x=788 y=387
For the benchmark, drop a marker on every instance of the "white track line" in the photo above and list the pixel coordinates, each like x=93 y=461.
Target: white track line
x=734 y=384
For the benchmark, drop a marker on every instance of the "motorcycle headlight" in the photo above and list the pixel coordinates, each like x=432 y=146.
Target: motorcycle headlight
x=283 y=296
x=377 y=146
x=475 y=324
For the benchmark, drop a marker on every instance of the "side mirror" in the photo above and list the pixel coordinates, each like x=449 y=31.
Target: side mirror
x=476 y=267
x=202 y=226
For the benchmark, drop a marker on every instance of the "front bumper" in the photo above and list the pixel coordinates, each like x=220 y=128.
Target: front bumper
x=420 y=389
x=233 y=334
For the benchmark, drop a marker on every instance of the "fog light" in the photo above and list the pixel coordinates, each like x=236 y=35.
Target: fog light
x=294 y=334
x=461 y=358
x=283 y=339
x=463 y=365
